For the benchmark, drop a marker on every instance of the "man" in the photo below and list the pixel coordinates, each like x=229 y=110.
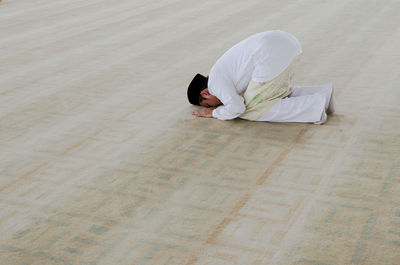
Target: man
x=253 y=81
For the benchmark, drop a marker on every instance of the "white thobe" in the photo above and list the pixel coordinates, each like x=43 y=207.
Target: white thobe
x=260 y=58
x=304 y=104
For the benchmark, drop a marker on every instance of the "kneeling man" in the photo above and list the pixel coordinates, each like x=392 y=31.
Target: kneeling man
x=253 y=81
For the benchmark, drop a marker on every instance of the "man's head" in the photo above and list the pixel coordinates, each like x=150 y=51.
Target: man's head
x=208 y=100
x=198 y=93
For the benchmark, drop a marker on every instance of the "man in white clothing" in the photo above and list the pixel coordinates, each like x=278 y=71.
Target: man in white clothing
x=253 y=81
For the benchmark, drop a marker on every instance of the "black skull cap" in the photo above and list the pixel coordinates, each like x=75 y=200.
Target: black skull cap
x=198 y=83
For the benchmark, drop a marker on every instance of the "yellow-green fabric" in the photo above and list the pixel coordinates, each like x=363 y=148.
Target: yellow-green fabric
x=259 y=99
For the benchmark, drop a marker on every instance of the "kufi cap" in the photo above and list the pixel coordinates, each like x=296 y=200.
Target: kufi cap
x=198 y=83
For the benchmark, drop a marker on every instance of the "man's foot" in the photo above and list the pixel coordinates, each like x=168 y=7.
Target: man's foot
x=332 y=103
x=323 y=119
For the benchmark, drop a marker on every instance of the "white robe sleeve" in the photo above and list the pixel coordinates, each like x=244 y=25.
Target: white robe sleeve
x=231 y=109
x=233 y=103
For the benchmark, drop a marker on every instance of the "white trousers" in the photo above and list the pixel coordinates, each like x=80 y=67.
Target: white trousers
x=304 y=104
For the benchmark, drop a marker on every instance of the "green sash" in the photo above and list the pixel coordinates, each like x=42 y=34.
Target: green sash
x=259 y=99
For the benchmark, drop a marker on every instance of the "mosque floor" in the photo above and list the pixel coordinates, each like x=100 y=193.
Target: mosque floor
x=102 y=163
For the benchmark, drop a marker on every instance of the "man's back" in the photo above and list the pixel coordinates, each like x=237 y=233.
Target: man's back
x=273 y=49
x=261 y=56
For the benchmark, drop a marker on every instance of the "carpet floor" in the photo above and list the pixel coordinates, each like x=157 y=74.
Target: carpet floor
x=101 y=162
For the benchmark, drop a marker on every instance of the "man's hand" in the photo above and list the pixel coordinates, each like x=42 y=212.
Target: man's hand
x=206 y=112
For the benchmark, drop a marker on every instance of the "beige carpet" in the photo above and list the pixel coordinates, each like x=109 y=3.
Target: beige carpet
x=102 y=163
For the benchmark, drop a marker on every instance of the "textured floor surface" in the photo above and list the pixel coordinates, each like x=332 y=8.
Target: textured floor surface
x=102 y=163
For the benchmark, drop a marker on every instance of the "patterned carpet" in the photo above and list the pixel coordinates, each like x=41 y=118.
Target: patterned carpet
x=101 y=162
